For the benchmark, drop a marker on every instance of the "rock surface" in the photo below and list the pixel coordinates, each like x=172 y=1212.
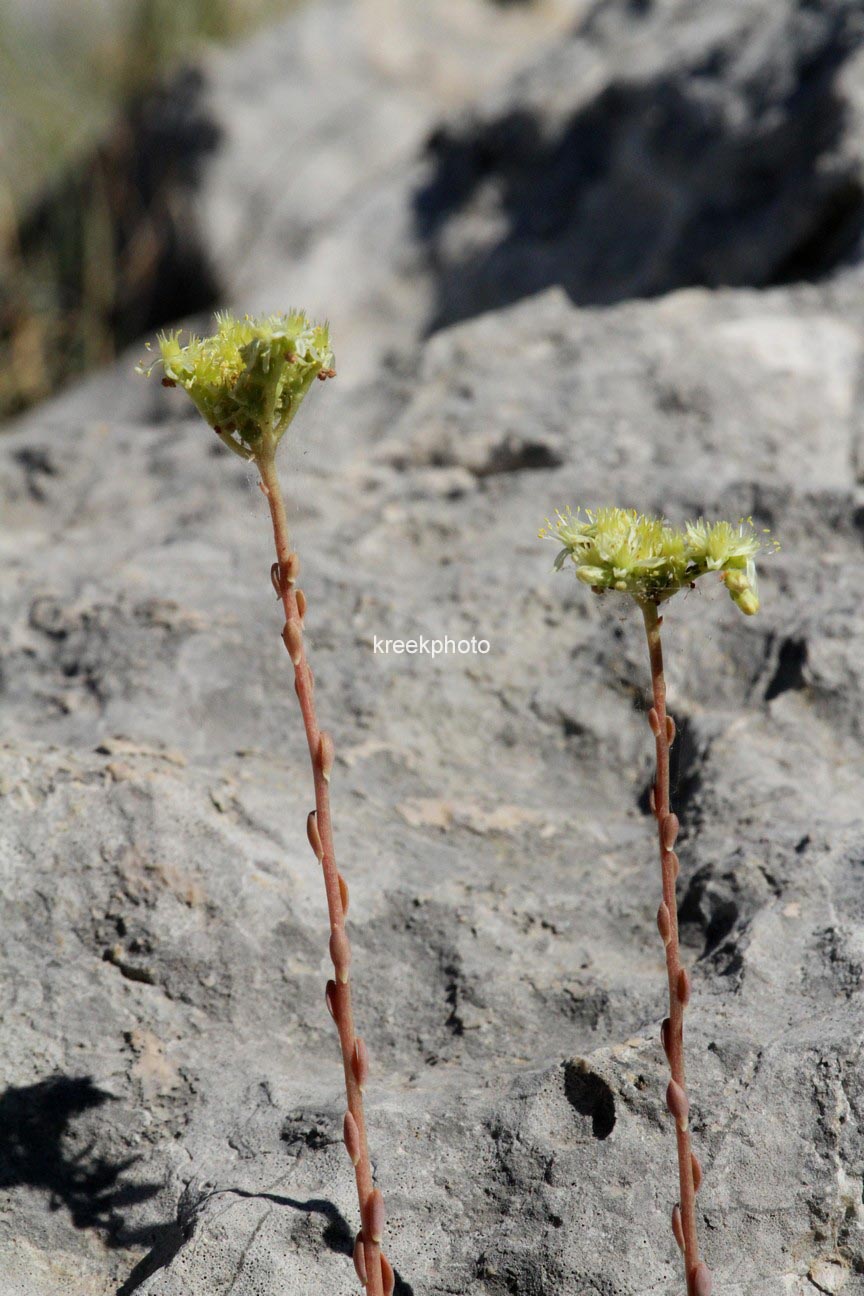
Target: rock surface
x=171 y=1085
x=654 y=145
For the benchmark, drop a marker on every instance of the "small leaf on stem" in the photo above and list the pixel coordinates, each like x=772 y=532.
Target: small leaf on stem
x=360 y=1259
x=678 y=1103
x=375 y=1215
x=664 y=923
x=360 y=1063
x=314 y=836
x=671 y=827
x=351 y=1137
x=702 y=1283
x=292 y=637
x=683 y=988
x=326 y=755
x=697 y=1172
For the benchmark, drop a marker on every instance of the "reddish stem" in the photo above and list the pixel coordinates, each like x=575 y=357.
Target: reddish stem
x=368 y=1255
x=697 y=1275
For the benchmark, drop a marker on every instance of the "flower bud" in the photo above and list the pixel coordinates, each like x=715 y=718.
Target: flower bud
x=591 y=575
x=748 y=602
x=677 y=1226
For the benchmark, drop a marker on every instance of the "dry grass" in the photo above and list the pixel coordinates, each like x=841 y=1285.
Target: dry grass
x=66 y=73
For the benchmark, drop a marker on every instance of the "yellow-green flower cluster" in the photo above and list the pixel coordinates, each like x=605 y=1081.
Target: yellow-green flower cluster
x=620 y=549
x=248 y=379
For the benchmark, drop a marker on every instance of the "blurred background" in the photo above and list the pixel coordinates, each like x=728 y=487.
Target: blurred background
x=86 y=237
x=106 y=120
x=403 y=166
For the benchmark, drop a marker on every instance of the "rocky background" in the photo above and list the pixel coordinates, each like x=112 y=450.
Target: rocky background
x=571 y=253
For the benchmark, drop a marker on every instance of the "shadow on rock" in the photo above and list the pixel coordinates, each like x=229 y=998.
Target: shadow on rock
x=36 y=1130
x=715 y=169
x=337 y=1233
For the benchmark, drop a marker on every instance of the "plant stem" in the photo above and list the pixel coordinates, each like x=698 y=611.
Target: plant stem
x=689 y=1171
x=372 y=1265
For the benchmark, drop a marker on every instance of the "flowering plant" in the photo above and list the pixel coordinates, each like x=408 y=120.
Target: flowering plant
x=247 y=381
x=620 y=550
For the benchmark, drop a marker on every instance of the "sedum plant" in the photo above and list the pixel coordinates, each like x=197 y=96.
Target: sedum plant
x=621 y=551
x=248 y=381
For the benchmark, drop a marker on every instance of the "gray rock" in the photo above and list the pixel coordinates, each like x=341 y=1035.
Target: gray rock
x=654 y=146
x=664 y=144
x=172 y=1083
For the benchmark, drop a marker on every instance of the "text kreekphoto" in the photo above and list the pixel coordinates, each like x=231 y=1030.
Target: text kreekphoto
x=432 y=647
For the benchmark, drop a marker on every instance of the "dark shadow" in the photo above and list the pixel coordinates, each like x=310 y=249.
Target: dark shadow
x=685 y=774
x=35 y=1121
x=789 y=673
x=337 y=1233
x=590 y=1095
x=651 y=184
x=36 y=1129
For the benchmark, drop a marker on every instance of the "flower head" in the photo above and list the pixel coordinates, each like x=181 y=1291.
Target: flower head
x=248 y=378
x=622 y=550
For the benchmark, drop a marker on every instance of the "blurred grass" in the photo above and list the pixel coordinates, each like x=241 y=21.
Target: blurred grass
x=68 y=71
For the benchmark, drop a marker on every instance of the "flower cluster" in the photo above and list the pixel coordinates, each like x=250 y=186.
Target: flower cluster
x=620 y=549
x=248 y=379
